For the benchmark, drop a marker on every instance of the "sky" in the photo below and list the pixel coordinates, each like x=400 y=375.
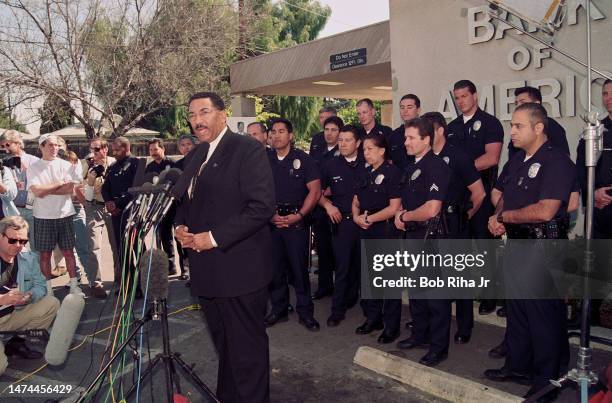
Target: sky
x=346 y=15
x=351 y=14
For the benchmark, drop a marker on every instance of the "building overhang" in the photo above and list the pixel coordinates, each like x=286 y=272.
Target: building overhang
x=305 y=69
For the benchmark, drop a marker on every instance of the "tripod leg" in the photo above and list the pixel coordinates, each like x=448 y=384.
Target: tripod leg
x=148 y=371
x=194 y=377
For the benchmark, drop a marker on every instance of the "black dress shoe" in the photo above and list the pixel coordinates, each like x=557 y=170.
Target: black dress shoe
x=368 y=327
x=310 y=323
x=411 y=342
x=462 y=339
x=498 y=351
x=486 y=307
x=17 y=346
x=501 y=312
x=388 y=337
x=320 y=294
x=188 y=284
x=334 y=321
x=505 y=375
x=432 y=359
x=274 y=318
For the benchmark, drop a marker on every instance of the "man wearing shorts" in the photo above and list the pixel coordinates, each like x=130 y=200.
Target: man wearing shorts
x=51 y=181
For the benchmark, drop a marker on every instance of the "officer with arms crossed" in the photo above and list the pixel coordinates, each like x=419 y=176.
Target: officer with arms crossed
x=481 y=136
x=536 y=186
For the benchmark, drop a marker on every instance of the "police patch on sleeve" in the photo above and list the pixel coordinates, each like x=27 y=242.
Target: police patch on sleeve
x=415 y=174
x=446 y=159
x=379 y=179
x=476 y=125
x=533 y=170
x=297 y=164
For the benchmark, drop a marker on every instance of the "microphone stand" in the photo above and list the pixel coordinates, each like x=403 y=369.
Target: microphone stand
x=168 y=358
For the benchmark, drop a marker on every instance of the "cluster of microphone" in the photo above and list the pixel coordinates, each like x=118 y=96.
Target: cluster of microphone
x=152 y=199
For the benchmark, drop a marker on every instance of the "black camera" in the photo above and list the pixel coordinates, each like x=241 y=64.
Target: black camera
x=10 y=162
x=99 y=170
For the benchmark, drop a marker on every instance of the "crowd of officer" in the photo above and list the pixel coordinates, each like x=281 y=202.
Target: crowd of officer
x=427 y=179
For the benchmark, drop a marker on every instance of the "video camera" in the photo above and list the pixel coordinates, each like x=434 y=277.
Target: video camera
x=11 y=162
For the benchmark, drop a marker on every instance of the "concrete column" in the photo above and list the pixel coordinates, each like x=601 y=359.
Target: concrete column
x=243 y=106
x=386 y=113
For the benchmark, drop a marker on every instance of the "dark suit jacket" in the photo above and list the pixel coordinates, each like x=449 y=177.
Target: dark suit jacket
x=234 y=199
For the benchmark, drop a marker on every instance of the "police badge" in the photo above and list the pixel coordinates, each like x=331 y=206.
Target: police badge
x=476 y=125
x=446 y=159
x=415 y=174
x=297 y=164
x=379 y=179
x=533 y=170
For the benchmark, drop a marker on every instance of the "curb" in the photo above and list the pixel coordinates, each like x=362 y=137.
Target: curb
x=430 y=380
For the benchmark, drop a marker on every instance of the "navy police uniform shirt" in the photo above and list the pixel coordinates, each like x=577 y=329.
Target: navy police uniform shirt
x=602 y=218
x=378 y=186
x=424 y=180
x=472 y=137
x=548 y=174
x=158 y=168
x=322 y=154
x=397 y=149
x=291 y=174
x=317 y=143
x=556 y=137
x=118 y=179
x=342 y=178
x=463 y=174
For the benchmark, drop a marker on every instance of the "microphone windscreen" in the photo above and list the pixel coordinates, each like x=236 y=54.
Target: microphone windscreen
x=158 y=277
x=148 y=177
x=62 y=333
x=172 y=176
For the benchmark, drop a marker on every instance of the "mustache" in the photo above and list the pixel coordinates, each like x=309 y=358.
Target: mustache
x=201 y=127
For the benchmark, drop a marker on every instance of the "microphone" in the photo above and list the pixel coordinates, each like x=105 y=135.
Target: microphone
x=158 y=276
x=62 y=333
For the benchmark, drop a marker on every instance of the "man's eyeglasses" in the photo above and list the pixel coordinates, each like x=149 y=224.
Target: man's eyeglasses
x=13 y=241
x=5 y=145
x=95 y=149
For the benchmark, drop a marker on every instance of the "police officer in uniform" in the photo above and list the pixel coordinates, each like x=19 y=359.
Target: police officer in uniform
x=317 y=142
x=536 y=184
x=556 y=132
x=298 y=188
x=376 y=201
x=481 y=136
x=367 y=117
x=602 y=213
x=423 y=191
x=321 y=225
x=340 y=178
x=409 y=108
x=119 y=178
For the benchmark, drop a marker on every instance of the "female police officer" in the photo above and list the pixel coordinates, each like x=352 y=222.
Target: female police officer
x=374 y=205
x=340 y=177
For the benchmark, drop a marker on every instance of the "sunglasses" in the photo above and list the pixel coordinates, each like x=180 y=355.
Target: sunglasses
x=95 y=149
x=13 y=241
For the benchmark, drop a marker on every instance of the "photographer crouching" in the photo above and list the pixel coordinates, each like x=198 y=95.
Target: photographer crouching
x=23 y=290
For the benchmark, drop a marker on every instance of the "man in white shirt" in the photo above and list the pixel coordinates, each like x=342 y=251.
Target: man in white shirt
x=51 y=180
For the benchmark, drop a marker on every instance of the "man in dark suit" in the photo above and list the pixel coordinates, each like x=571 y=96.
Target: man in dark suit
x=227 y=200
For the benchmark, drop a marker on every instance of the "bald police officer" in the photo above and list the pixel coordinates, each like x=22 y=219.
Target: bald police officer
x=536 y=185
